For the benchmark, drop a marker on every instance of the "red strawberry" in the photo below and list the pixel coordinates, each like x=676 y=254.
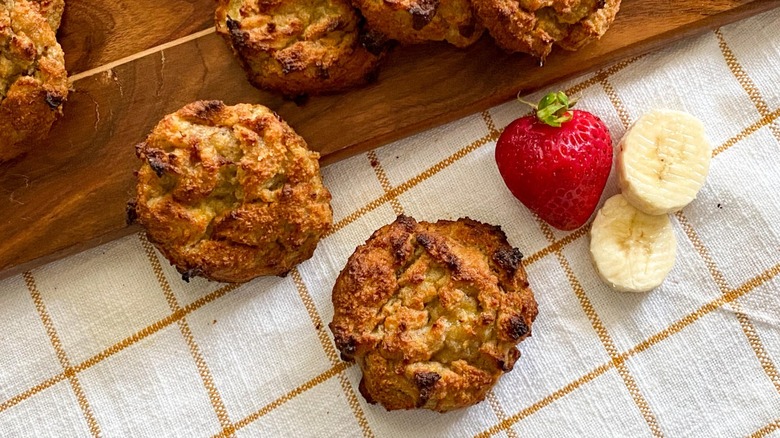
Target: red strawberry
x=557 y=161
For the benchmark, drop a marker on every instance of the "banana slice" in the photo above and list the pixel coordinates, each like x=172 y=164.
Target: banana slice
x=663 y=161
x=632 y=251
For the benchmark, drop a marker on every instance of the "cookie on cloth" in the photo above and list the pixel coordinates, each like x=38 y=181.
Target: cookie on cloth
x=432 y=312
x=230 y=193
x=300 y=47
x=33 y=80
x=419 y=21
x=533 y=26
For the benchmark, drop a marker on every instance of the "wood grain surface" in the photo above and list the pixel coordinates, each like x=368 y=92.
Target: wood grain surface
x=132 y=62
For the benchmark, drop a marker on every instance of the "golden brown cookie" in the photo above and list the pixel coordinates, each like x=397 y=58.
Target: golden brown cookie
x=299 y=47
x=419 y=21
x=33 y=80
x=230 y=193
x=533 y=26
x=432 y=312
x=52 y=10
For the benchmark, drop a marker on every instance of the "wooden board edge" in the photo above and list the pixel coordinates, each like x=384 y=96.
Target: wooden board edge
x=69 y=251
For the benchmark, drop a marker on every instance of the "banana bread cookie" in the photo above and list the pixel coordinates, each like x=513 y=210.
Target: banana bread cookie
x=52 y=11
x=418 y=21
x=230 y=193
x=432 y=312
x=300 y=47
x=33 y=80
x=533 y=26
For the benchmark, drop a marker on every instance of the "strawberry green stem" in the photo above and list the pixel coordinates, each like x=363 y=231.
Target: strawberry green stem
x=553 y=109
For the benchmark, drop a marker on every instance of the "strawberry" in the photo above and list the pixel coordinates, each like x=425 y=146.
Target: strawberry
x=557 y=161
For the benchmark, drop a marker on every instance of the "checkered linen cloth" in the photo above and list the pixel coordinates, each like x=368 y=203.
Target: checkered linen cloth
x=111 y=342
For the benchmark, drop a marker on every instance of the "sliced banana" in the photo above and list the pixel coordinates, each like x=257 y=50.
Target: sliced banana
x=663 y=161
x=632 y=251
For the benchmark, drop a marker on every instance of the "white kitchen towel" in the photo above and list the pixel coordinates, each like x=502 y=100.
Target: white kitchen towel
x=112 y=343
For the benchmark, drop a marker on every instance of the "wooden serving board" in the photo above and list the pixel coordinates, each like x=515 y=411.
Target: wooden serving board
x=132 y=62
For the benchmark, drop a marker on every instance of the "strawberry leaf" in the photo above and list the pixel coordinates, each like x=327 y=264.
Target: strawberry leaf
x=553 y=109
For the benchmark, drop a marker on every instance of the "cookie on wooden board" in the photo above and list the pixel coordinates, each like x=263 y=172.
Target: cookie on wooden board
x=52 y=10
x=419 y=21
x=230 y=193
x=533 y=26
x=300 y=47
x=33 y=80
